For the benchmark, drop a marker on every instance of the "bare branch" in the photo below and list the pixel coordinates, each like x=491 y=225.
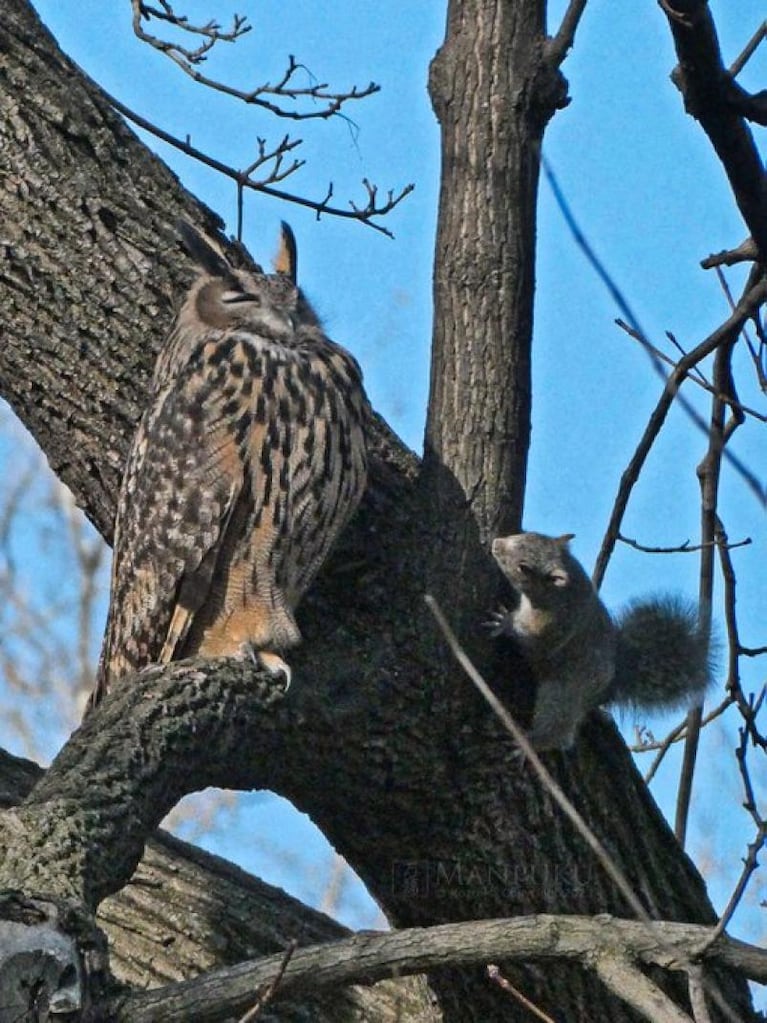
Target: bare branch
x=750 y=865
x=370 y=956
x=708 y=91
x=557 y=47
x=748 y=708
x=685 y=548
x=243 y=180
x=709 y=473
x=758 y=355
x=623 y=305
x=748 y=50
x=752 y=106
x=696 y=376
x=744 y=253
x=697 y=991
x=676 y=733
x=188 y=60
x=751 y=299
x=211 y=30
x=636 y=989
x=497 y=977
x=269 y=990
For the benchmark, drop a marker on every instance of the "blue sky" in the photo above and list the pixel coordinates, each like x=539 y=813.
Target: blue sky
x=647 y=192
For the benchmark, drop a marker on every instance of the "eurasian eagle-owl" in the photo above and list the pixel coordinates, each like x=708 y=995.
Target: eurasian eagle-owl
x=248 y=461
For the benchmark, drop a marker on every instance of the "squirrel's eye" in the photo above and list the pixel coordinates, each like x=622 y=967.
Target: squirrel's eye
x=526 y=569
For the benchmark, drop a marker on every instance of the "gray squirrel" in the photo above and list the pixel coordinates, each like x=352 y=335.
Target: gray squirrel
x=655 y=655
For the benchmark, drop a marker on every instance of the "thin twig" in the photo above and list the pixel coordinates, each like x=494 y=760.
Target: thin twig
x=494 y=973
x=269 y=990
x=684 y=548
x=622 y=303
x=753 y=297
x=696 y=377
x=547 y=779
x=188 y=60
x=757 y=355
x=675 y=735
x=748 y=51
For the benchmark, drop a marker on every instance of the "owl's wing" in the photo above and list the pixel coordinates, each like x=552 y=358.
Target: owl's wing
x=182 y=482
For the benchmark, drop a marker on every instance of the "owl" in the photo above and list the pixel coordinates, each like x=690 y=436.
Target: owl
x=247 y=463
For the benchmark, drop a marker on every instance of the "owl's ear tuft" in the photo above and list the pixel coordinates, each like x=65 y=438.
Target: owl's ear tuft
x=286 y=260
x=202 y=250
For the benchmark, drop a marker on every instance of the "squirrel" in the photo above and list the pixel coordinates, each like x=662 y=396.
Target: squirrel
x=654 y=655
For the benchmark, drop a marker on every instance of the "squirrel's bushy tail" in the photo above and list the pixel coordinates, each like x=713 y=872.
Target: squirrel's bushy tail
x=663 y=657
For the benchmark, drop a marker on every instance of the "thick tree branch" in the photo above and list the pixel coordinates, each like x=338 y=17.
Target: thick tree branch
x=177 y=734
x=207 y=914
x=595 y=944
x=706 y=88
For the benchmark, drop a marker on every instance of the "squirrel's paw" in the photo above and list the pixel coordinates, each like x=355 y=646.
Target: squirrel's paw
x=499 y=623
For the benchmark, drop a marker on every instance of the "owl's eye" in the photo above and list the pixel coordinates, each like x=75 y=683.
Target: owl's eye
x=232 y=297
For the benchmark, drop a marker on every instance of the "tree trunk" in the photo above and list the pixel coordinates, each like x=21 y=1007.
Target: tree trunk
x=379 y=739
x=483 y=85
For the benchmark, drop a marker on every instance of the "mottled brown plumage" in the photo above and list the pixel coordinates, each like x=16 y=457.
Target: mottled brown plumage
x=247 y=463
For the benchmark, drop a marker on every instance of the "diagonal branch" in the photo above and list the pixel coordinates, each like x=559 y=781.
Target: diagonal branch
x=244 y=180
x=752 y=298
x=558 y=46
x=706 y=89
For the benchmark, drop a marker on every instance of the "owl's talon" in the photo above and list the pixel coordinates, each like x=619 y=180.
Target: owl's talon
x=267 y=660
x=275 y=665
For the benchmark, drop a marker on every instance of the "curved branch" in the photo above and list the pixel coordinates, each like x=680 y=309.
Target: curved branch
x=161 y=735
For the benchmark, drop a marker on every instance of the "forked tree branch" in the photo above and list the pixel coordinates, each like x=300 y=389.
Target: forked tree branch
x=559 y=44
x=753 y=297
x=243 y=179
x=188 y=60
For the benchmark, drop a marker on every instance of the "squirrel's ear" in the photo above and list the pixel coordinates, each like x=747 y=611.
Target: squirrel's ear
x=286 y=260
x=565 y=539
x=559 y=577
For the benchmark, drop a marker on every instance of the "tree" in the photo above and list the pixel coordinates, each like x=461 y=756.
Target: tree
x=447 y=827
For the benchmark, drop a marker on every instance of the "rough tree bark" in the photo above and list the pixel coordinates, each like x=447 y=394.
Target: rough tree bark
x=379 y=740
x=186 y=911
